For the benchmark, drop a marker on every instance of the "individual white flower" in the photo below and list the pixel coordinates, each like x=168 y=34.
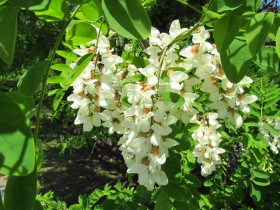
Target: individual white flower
x=176 y=77
x=149 y=72
x=243 y=102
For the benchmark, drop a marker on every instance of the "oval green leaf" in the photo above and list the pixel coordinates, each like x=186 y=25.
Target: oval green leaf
x=257 y=30
x=78 y=69
x=260 y=174
x=31 y=79
x=128 y=18
x=8 y=31
x=20 y=192
x=225 y=30
x=17 y=151
x=261 y=182
x=236 y=59
x=80 y=33
x=26 y=103
x=90 y=11
x=56 y=11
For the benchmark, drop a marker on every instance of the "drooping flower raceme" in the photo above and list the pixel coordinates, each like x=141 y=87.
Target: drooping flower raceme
x=139 y=103
x=270 y=129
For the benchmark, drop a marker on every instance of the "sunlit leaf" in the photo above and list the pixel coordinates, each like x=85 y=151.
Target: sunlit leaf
x=56 y=10
x=173 y=99
x=261 y=182
x=80 y=33
x=255 y=193
x=267 y=58
x=236 y=59
x=57 y=99
x=78 y=69
x=257 y=30
x=17 y=150
x=90 y=11
x=221 y=6
x=225 y=30
x=8 y=31
x=128 y=18
x=260 y=174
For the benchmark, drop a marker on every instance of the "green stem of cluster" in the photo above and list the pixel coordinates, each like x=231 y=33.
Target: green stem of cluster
x=194 y=8
x=44 y=82
x=97 y=42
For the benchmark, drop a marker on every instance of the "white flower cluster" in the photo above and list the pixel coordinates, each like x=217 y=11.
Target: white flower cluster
x=132 y=101
x=271 y=134
x=207 y=140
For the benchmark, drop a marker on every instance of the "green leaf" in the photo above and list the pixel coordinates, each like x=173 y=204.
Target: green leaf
x=140 y=62
x=210 y=14
x=8 y=31
x=236 y=59
x=61 y=67
x=221 y=6
x=2 y=2
x=257 y=30
x=253 y=5
x=174 y=99
x=225 y=30
x=57 y=99
x=103 y=26
x=67 y=55
x=78 y=69
x=125 y=102
x=260 y=174
x=128 y=18
x=17 y=151
x=90 y=11
x=80 y=33
x=77 y=2
x=267 y=58
x=255 y=193
x=278 y=42
x=172 y=167
x=34 y=5
x=20 y=192
x=57 y=10
x=208 y=183
x=162 y=201
x=142 y=195
x=256 y=156
x=261 y=182
x=26 y=103
x=31 y=79
x=176 y=191
x=192 y=180
x=56 y=79
x=76 y=207
x=273 y=131
x=137 y=78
